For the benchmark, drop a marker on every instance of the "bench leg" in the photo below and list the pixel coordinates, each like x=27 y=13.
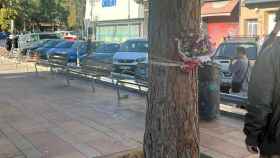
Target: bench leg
x=92 y=83
x=52 y=72
x=118 y=90
x=67 y=79
x=139 y=86
x=36 y=70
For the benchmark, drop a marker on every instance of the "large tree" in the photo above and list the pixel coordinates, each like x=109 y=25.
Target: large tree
x=172 y=114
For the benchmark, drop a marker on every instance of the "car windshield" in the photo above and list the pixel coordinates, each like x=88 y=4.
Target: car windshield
x=39 y=43
x=65 y=44
x=48 y=36
x=77 y=44
x=108 y=48
x=228 y=50
x=135 y=46
x=51 y=44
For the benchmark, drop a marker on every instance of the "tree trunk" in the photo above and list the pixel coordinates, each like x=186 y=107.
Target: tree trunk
x=172 y=112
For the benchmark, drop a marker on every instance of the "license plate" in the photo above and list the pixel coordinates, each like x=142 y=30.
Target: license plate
x=124 y=67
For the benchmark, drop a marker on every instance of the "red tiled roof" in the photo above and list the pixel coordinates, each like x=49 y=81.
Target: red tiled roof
x=218 y=8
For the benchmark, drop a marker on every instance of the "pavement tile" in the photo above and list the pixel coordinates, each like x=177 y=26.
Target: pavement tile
x=49 y=144
x=29 y=127
x=222 y=146
x=7 y=149
x=57 y=117
x=74 y=127
x=107 y=145
x=87 y=150
x=71 y=155
x=32 y=153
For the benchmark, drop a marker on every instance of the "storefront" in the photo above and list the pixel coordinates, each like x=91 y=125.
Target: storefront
x=119 y=31
x=222 y=18
x=116 y=20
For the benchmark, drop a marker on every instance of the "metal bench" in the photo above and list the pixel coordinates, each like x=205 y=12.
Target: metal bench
x=89 y=70
x=138 y=80
x=58 y=62
x=40 y=62
x=229 y=98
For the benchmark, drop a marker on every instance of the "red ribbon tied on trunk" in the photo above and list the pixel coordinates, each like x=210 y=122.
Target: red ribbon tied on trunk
x=190 y=65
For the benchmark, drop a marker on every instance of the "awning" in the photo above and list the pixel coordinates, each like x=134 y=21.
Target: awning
x=260 y=1
x=218 y=8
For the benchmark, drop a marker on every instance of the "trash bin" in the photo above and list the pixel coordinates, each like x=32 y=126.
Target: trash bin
x=209 y=91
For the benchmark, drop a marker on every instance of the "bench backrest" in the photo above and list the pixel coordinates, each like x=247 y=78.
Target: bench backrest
x=58 y=60
x=142 y=78
x=96 y=68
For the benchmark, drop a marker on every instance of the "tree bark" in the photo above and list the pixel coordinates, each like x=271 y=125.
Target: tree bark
x=172 y=110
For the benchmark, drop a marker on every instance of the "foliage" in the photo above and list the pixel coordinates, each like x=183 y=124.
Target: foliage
x=72 y=20
x=8 y=12
x=32 y=12
x=80 y=12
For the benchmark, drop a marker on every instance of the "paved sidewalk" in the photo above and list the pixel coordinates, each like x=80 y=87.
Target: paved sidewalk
x=42 y=118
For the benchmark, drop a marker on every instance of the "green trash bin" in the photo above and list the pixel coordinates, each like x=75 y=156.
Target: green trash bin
x=209 y=91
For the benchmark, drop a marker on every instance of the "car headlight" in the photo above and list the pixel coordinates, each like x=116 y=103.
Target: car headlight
x=140 y=60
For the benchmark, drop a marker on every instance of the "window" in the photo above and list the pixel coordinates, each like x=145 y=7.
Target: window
x=135 y=46
x=109 y=3
x=228 y=50
x=252 y=27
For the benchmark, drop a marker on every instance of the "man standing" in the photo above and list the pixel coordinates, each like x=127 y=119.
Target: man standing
x=262 y=122
x=239 y=69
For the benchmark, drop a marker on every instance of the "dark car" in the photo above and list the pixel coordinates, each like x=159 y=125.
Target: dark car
x=61 y=47
x=42 y=51
x=4 y=35
x=35 y=45
x=131 y=53
x=74 y=49
x=105 y=53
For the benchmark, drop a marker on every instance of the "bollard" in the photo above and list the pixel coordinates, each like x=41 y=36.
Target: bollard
x=209 y=91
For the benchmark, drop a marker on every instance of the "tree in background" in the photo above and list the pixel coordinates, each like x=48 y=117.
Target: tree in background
x=32 y=13
x=8 y=12
x=80 y=13
x=72 y=17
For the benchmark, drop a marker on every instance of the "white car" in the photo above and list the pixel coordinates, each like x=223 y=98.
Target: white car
x=227 y=51
x=131 y=53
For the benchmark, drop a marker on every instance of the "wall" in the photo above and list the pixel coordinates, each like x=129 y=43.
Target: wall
x=118 y=12
x=259 y=12
x=217 y=31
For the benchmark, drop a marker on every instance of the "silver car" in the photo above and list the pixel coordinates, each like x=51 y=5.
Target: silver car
x=227 y=51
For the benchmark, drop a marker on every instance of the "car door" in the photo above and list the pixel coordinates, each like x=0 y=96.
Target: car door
x=107 y=53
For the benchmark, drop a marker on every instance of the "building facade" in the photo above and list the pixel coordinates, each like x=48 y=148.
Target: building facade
x=222 y=19
x=257 y=17
x=115 y=20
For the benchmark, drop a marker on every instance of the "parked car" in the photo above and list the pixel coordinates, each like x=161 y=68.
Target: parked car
x=26 y=40
x=105 y=53
x=227 y=51
x=4 y=35
x=81 y=48
x=35 y=45
x=42 y=51
x=131 y=53
x=61 y=47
